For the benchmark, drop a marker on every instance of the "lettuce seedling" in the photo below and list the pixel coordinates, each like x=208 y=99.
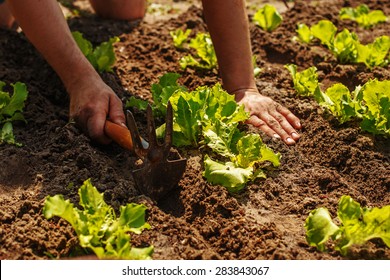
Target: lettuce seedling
x=268 y=18
x=345 y=45
x=362 y=15
x=209 y=115
x=101 y=57
x=368 y=103
x=304 y=33
x=358 y=225
x=342 y=44
x=134 y=102
x=205 y=57
x=11 y=108
x=205 y=53
x=374 y=54
x=325 y=31
x=161 y=92
x=180 y=37
x=338 y=100
x=306 y=81
x=374 y=106
x=97 y=226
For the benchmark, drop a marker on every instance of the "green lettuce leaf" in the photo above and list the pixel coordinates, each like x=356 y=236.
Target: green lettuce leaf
x=362 y=15
x=319 y=228
x=226 y=174
x=374 y=97
x=163 y=90
x=102 y=57
x=268 y=18
x=374 y=54
x=180 y=37
x=339 y=101
x=358 y=225
x=210 y=116
x=344 y=46
x=134 y=102
x=97 y=226
x=325 y=31
x=304 y=33
x=11 y=108
x=251 y=150
x=306 y=81
x=206 y=57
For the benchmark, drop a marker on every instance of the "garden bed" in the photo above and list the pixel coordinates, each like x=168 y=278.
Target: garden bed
x=197 y=220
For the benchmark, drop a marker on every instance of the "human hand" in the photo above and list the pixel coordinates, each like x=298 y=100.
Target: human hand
x=89 y=107
x=269 y=116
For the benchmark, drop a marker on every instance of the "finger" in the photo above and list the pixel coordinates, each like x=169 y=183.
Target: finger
x=95 y=128
x=291 y=118
x=286 y=126
x=116 y=113
x=262 y=125
x=275 y=125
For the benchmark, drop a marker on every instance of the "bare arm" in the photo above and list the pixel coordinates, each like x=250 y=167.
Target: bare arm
x=229 y=29
x=91 y=100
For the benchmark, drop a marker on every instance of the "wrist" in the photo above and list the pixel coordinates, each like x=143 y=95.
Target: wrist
x=240 y=93
x=79 y=78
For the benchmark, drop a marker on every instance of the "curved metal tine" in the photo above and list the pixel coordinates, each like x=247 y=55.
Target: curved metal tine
x=151 y=129
x=139 y=150
x=168 y=129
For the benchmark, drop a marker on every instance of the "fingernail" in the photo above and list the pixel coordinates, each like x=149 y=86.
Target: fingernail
x=290 y=140
x=298 y=124
x=123 y=124
x=295 y=135
x=276 y=136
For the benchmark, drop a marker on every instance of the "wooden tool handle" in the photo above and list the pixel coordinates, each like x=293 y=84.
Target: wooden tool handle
x=119 y=134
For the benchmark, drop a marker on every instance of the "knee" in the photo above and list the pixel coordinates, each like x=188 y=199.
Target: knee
x=120 y=9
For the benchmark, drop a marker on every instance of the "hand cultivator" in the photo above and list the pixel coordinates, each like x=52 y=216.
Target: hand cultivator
x=158 y=175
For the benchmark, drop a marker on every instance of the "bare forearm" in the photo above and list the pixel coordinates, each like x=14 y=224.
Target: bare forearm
x=45 y=26
x=228 y=26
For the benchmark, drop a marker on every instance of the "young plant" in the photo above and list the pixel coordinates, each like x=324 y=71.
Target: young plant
x=345 y=45
x=161 y=92
x=325 y=31
x=338 y=100
x=304 y=33
x=362 y=15
x=268 y=18
x=11 y=108
x=342 y=44
x=210 y=116
x=374 y=106
x=205 y=53
x=205 y=58
x=97 y=226
x=358 y=225
x=101 y=57
x=368 y=103
x=374 y=54
x=306 y=81
x=180 y=37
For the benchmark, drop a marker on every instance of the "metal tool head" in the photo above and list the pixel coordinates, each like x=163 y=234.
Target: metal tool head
x=158 y=175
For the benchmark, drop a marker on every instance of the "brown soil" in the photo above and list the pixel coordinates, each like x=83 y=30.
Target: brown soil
x=198 y=220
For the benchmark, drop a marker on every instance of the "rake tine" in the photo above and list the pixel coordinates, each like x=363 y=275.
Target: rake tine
x=168 y=128
x=151 y=128
x=138 y=142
